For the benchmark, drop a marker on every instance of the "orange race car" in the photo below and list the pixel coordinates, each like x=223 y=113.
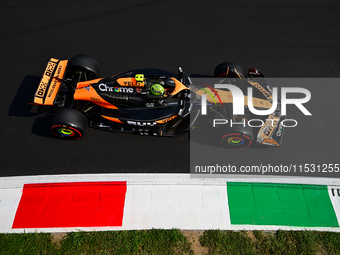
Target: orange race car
x=145 y=101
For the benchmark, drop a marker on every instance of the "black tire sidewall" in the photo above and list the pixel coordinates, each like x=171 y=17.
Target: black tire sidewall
x=68 y=124
x=221 y=68
x=85 y=63
x=76 y=133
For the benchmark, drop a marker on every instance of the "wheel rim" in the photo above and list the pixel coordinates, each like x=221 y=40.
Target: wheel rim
x=66 y=131
x=236 y=140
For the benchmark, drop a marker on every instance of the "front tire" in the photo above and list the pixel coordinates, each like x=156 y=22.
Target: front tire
x=228 y=69
x=237 y=136
x=68 y=124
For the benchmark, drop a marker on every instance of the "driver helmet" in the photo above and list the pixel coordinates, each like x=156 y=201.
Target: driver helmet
x=157 y=90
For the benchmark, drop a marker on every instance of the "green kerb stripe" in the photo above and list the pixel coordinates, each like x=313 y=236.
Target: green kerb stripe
x=280 y=204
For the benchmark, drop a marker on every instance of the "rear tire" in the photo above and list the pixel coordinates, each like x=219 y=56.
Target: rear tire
x=87 y=64
x=68 y=124
x=229 y=69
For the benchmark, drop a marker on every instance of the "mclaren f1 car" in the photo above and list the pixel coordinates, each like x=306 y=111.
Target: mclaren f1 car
x=149 y=102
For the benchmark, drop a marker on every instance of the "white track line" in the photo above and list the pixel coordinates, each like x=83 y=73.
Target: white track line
x=159 y=200
x=18 y=181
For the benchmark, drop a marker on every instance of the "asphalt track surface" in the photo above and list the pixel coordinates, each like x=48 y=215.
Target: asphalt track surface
x=281 y=38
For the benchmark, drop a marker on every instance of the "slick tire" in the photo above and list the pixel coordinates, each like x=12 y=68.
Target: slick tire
x=68 y=124
x=85 y=64
x=237 y=137
x=228 y=69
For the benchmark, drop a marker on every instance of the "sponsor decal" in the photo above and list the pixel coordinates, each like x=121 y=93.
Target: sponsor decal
x=270 y=142
x=124 y=90
x=141 y=124
x=49 y=69
x=50 y=81
x=269 y=89
x=59 y=71
x=56 y=80
x=279 y=131
x=172 y=103
x=150 y=104
x=102 y=125
x=254 y=73
x=106 y=88
x=133 y=84
x=94 y=99
x=269 y=129
x=41 y=89
x=52 y=88
x=138 y=90
x=166 y=120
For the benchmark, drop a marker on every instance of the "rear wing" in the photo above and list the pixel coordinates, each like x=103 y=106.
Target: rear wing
x=50 y=82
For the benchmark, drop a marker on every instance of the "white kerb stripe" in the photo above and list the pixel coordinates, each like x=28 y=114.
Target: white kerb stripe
x=9 y=201
x=176 y=206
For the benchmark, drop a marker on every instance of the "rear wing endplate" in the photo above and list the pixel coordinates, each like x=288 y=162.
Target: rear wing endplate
x=50 y=82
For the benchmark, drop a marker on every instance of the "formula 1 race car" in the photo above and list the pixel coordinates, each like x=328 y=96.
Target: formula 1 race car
x=148 y=102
